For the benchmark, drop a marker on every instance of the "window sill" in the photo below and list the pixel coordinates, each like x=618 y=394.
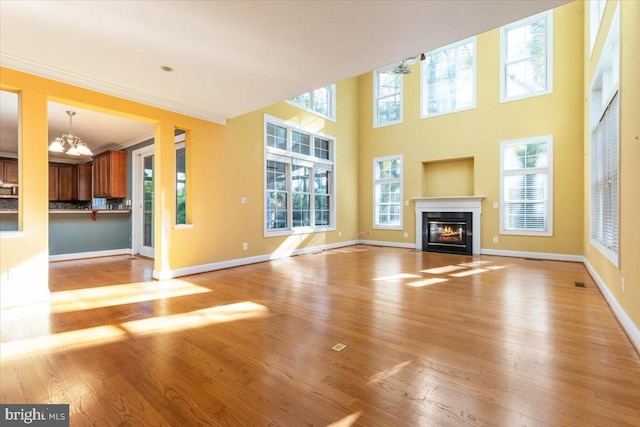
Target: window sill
x=182 y=226
x=527 y=233
x=297 y=231
x=444 y=113
x=504 y=100
x=11 y=234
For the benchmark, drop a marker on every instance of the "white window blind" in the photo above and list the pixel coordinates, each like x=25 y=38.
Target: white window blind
x=527 y=185
x=604 y=178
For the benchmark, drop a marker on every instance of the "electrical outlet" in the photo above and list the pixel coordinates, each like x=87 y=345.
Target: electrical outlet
x=243 y=200
x=339 y=233
x=406 y=234
x=406 y=203
x=495 y=240
x=245 y=246
x=623 y=284
x=495 y=205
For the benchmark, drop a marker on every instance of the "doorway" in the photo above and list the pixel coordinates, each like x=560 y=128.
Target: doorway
x=142 y=201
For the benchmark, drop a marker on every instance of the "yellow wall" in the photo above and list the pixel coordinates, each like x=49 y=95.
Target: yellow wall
x=448 y=178
x=225 y=163
x=477 y=134
x=629 y=246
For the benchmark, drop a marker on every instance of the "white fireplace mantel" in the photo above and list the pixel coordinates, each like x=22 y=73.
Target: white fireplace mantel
x=471 y=204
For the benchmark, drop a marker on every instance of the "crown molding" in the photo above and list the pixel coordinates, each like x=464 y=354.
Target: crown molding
x=43 y=70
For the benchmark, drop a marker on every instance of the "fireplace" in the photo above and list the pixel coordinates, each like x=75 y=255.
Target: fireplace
x=449 y=211
x=447 y=232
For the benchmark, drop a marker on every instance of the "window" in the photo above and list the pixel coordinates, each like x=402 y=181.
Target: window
x=526 y=58
x=321 y=101
x=526 y=186
x=448 y=80
x=387 y=108
x=605 y=152
x=181 y=179
x=298 y=179
x=387 y=190
x=596 y=12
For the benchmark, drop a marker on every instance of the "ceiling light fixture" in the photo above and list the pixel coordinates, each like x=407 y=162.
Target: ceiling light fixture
x=76 y=146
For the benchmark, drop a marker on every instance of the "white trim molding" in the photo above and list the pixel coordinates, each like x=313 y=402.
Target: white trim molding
x=203 y=268
x=92 y=254
x=632 y=331
x=533 y=255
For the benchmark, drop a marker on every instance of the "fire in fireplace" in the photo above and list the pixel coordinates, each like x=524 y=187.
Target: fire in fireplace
x=448 y=232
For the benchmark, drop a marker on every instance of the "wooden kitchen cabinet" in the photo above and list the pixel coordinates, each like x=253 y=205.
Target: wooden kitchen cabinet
x=70 y=182
x=9 y=172
x=110 y=174
x=83 y=182
x=53 y=182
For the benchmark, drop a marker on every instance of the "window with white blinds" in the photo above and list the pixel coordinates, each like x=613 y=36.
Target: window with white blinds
x=604 y=121
x=604 y=179
x=526 y=186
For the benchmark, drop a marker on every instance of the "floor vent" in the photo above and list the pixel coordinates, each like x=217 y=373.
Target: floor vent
x=580 y=285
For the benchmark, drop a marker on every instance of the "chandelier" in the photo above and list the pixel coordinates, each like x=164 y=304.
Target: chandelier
x=75 y=144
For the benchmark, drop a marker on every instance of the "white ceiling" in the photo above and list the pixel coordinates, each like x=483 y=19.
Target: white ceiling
x=229 y=57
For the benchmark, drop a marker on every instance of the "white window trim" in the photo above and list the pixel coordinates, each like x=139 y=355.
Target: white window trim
x=376 y=124
x=549 y=170
x=288 y=156
x=423 y=71
x=332 y=115
x=376 y=181
x=548 y=53
x=596 y=13
x=602 y=93
x=180 y=142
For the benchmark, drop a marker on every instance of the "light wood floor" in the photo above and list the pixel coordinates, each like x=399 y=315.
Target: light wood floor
x=430 y=340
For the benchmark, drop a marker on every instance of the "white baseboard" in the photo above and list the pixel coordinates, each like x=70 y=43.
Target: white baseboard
x=203 y=268
x=633 y=332
x=92 y=254
x=411 y=245
x=534 y=255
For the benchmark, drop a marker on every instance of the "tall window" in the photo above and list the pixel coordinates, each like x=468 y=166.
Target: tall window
x=526 y=57
x=298 y=179
x=596 y=11
x=181 y=179
x=449 y=79
x=387 y=108
x=526 y=186
x=321 y=101
x=387 y=190
x=605 y=151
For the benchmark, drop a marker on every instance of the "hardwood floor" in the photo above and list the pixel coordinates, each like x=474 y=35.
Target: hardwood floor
x=430 y=340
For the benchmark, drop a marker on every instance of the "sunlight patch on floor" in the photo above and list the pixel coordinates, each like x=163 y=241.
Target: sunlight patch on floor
x=109 y=296
x=469 y=272
x=194 y=319
x=399 y=276
x=347 y=421
x=106 y=334
x=443 y=270
x=382 y=375
x=426 y=282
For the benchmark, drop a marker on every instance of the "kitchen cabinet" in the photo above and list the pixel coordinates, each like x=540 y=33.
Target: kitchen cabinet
x=110 y=174
x=9 y=172
x=70 y=182
x=53 y=182
x=83 y=182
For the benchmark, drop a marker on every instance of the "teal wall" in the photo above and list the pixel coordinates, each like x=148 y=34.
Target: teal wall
x=71 y=233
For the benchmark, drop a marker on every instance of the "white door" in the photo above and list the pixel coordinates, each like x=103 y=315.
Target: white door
x=142 y=202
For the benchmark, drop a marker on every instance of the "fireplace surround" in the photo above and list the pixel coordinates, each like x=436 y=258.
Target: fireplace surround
x=451 y=205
